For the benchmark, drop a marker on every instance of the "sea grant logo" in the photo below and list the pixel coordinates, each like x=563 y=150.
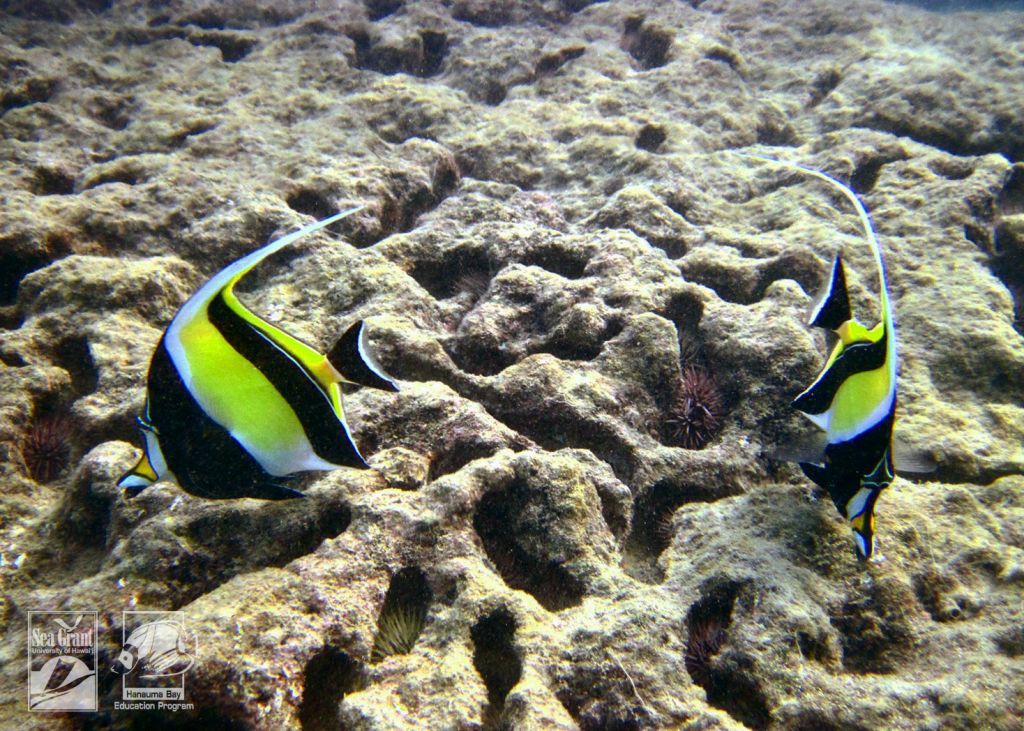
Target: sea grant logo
x=62 y=661
x=158 y=649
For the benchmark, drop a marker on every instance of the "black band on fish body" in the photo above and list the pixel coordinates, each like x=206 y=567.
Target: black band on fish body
x=833 y=308
x=325 y=432
x=855 y=358
x=207 y=461
x=352 y=358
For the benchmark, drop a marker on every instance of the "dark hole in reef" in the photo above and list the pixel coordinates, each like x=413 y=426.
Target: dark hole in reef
x=566 y=263
x=823 y=85
x=721 y=54
x=233 y=47
x=403 y=614
x=776 y=132
x=445 y=178
x=497 y=661
x=650 y=137
x=549 y=63
x=731 y=687
x=1010 y=200
x=378 y=9
x=495 y=93
x=571 y=347
x=647 y=44
x=73 y=355
x=52 y=180
x=865 y=176
x=653 y=509
x=457 y=455
x=519 y=559
x=310 y=202
x=196 y=128
x=685 y=310
x=329 y=675
x=13 y=268
x=456 y=272
x=549 y=423
x=289 y=529
x=31 y=91
x=435 y=46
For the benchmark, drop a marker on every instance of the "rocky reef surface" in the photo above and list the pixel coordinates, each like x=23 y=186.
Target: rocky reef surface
x=558 y=257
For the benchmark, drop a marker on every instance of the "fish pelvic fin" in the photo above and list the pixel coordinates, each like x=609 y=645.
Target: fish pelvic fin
x=138 y=478
x=355 y=362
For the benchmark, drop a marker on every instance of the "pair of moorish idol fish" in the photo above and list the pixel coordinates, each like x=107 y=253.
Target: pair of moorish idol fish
x=234 y=404
x=853 y=398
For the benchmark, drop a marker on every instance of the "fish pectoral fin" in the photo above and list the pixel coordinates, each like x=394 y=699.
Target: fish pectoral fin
x=273 y=491
x=911 y=461
x=807 y=448
x=817 y=473
x=832 y=307
x=354 y=361
x=138 y=478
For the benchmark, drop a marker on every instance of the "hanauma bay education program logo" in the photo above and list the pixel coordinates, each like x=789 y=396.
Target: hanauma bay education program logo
x=158 y=649
x=62 y=661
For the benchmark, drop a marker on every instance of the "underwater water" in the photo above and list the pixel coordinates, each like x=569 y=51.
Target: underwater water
x=569 y=418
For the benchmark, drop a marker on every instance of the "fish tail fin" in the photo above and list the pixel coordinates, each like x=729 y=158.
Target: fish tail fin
x=833 y=306
x=354 y=361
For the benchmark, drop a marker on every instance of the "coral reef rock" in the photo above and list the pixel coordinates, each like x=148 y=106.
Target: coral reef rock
x=555 y=228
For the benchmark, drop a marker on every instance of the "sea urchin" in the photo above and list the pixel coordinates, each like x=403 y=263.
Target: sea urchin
x=696 y=412
x=46 y=447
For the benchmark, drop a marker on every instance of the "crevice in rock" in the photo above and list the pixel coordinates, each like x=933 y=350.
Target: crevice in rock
x=824 y=83
x=483 y=15
x=650 y=137
x=496 y=659
x=420 y=55
x=549 y=63
x=233 y=47
x=459 y=450
x=13 y=268
x=380 y=9
x=52 y=180
x=997 y=229
x=404 y=204
x=33 y=90
x=329 y=675
x=291 y=529
x=554 y=425
x=571 y=347
x=654 y=508
x=190 y=130
x=73 y=355
x=647 y=44
x=559 y=260
x=455 y=272
x=403 y=614
x=311 y=202
x=729 y=681
x=521 y=561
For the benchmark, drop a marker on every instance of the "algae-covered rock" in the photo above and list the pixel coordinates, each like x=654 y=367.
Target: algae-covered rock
x=562 y=260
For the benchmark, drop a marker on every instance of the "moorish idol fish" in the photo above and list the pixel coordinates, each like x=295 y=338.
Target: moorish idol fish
x=853 y=398
x=234 y=404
